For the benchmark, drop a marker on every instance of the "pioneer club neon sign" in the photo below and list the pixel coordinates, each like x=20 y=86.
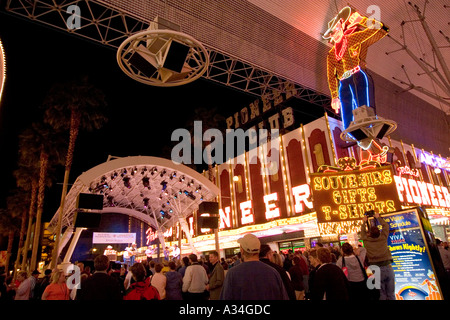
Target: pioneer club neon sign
x=422 y=193
x=301 y=196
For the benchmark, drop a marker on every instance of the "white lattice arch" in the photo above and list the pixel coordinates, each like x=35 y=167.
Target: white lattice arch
x=154 y=190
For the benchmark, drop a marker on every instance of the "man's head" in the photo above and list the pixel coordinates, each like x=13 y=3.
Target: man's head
x=374 y=232
x=138 y=271
x=193 y=258
x=101 y=263
x=312 y=257
x=265 y=252
x=250 y=246
x=324 y=255
x=22 y=275
x=213 y=257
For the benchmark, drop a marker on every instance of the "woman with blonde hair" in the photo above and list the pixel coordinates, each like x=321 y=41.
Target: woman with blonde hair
x=57 y=289
x=277 y=259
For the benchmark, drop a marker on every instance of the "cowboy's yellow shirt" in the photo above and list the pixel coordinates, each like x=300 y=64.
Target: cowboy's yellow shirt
x=354 y=55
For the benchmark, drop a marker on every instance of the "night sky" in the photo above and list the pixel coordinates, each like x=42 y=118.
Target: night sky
x=141 y=117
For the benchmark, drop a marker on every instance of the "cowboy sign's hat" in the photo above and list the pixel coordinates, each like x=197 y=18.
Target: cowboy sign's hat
x=344 y=14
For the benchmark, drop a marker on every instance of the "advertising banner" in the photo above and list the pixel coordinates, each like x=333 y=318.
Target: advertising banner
x=341 y=198
x=108 y=237
x=415 y=275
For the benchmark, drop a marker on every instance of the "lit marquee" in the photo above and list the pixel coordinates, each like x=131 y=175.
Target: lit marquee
x=341 y=198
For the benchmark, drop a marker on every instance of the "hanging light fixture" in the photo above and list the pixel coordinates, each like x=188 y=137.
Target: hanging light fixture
x=162 y=56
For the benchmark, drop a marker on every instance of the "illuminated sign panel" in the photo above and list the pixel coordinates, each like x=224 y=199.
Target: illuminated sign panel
x=422 y=193
x=413 y=262
x=431 y=159
x=342 y=198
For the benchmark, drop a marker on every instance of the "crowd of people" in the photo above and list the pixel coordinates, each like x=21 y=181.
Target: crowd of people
x=257 y=272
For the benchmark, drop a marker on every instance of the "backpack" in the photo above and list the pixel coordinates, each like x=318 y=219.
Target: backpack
x=142 y=291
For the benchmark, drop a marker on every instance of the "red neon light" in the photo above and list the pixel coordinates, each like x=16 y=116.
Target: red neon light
x=408 y=170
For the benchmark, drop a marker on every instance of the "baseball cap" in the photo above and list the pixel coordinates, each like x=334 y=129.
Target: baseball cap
x=250 y=243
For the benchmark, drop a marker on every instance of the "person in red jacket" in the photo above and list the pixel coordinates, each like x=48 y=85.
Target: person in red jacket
x=141 y=289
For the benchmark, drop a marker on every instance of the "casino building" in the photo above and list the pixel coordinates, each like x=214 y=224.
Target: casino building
x=274 y=190
x=271 y=191
x=280 y=206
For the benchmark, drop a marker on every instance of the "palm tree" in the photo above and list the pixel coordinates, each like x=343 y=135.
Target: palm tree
x=17 y=204
x=211 y=119
x=77 y=105
x=39 y=144
x=9 y=225
x=27 y=179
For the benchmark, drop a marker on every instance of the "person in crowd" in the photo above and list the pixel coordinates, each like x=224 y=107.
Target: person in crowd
x=378 y=254
x=281 y=255
x=204 y=264
x=304 y=265
x=237 y=259
x=100 y=286
x=446 y=247
x=166 y=253
x=147 y=268
x=23 y=290
x=87 y=271
x=216 y=277
x=149 y=253
x=252 y=279
x=330 y=282
x=176 y=252
x=185 y=263
x=140 y=289
x=287 y=264
x=165 y=267
x=43 y=283
x=195 y=280
x=57 y=289
x=278 y=259
x=174 y=283
x=34 y=289
x=116 y=272
x=80 y=265
x=266 y=255
x=352 y=265
x=314 y=264
x=297 y=278
x=132 y=253
x=159 y=281
x=445 y=256
x=9 y=291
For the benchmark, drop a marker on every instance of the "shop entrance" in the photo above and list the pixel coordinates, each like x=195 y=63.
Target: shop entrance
x=294 y=245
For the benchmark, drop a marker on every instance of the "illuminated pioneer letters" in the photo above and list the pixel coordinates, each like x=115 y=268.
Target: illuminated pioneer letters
x=422 y=193
x=301 y=196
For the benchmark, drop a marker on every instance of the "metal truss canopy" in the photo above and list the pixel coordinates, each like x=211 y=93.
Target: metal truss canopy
x=110 y=26
x=153 y=190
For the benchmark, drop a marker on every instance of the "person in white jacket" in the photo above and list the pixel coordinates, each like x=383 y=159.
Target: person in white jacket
x=195 y=280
